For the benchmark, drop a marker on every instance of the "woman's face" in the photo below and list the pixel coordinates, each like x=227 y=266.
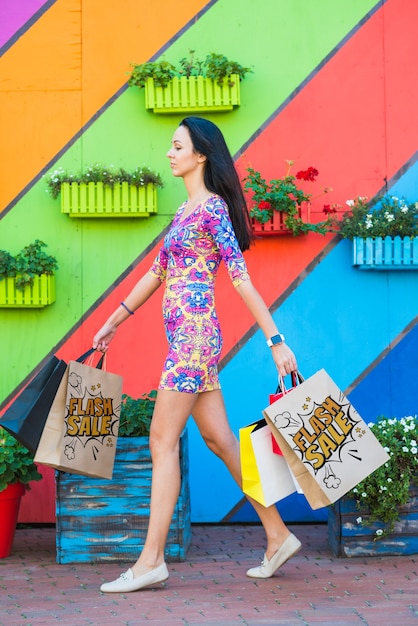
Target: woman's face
x=183 y=159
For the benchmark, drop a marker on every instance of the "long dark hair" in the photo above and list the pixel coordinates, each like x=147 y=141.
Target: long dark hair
x=220 y=175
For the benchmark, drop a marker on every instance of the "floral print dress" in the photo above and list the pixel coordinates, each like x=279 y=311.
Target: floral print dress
x=189 y=260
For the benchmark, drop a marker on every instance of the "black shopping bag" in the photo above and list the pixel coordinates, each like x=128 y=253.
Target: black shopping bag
x=25 y=418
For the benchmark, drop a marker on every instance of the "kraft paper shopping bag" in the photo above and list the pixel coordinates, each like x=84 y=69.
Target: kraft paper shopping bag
x=328 y=446
x=81 y=430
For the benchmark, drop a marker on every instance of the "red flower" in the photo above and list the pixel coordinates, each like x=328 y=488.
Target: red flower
x=264 y=206
x=329 y=209
x=310 y=174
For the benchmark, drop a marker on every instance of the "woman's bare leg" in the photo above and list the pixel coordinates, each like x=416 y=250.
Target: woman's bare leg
x=171 y=412
x=211 y=419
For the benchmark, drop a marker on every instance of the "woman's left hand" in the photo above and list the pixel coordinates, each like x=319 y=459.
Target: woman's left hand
x=284 y=358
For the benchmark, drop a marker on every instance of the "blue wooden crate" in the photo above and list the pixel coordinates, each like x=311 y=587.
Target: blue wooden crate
x=100 y=520
x=349 y=538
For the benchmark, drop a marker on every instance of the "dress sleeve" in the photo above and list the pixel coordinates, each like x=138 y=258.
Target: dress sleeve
x=219 y=225
x=159 y=268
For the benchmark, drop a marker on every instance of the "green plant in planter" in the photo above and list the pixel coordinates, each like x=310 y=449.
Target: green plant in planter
x=215 y=66
x=136 y=415
x=382 y=217
x=31 y=261
x=387 y=488
x=284 y=195
x=106 y=174
x=16 y=462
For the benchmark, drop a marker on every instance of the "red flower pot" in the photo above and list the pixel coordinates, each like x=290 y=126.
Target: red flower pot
x=9 y=510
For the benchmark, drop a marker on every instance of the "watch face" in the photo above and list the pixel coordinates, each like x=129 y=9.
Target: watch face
x=277 y=339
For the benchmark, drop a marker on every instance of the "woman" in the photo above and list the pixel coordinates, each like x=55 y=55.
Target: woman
x=212 y=225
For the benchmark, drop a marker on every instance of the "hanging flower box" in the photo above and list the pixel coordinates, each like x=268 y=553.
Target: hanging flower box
x=193 y=94
x=275 y=225
x=347 y=537
x=103 y=521
x=36 y=296
x=386 y=253
x=100 y=200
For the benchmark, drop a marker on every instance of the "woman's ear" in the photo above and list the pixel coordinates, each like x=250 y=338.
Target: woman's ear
x=201 y=158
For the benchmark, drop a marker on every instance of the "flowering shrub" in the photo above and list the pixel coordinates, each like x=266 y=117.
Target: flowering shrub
x=283 y=194
x=390 y=217
x=387 y=488
x=108 y=175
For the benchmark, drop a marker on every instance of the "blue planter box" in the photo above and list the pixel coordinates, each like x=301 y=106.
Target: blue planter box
x=102 y=521
x=386 y=253
x=347 y=538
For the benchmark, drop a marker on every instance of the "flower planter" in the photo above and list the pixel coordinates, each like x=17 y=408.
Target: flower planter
x=9 y=509
x=388 y=253
x=39 y=294
x=275 y=226
x=193 y=94
x=99 y=200
x=348 y=538
x=100 y=521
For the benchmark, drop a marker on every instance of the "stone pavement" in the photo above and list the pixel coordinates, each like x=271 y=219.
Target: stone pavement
x=211 y=586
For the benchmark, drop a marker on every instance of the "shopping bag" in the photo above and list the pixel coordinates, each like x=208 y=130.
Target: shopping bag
x=265 y=475
x=81 y=430
x=26 y=416
x=296 y=378
x=328 y=446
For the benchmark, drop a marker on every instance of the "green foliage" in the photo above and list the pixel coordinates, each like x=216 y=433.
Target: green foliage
x=31 y=261
x=161 y=71
x=97 y=173
x=387 y=488
x=16 y=462
x=215 y=66
x=136 y=415
x=284 y=195
x=389 y=216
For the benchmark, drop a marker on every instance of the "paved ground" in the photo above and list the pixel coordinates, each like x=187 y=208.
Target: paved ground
x=211 y=587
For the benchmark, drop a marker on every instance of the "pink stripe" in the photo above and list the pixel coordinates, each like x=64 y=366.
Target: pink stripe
x=14 y=14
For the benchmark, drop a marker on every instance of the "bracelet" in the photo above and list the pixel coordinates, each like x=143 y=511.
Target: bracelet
x=128 y=309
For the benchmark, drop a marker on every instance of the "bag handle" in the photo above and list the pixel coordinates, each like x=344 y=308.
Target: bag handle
x=89 y=353
x=297 y=379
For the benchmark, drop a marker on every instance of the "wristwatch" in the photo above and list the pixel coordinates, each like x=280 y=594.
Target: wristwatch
x=275 y=340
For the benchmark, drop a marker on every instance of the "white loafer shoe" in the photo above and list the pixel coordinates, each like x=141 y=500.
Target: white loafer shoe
x=289 y=548
x=127 y=582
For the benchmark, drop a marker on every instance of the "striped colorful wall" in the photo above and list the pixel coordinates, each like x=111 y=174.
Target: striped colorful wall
x=331 y=88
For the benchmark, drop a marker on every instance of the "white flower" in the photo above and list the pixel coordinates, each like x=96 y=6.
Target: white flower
x=364 y=495
x=359 y=520
x=379 y=532
x=405 y=449
x=350 y=202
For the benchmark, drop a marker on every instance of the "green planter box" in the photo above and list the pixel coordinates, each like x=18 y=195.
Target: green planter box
x=347 y=538
x=36 y=296
x=101 y=521
x=99 y=200
x=193 y=94
x=386 y=253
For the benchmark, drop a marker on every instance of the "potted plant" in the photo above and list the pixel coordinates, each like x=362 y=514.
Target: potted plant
x=105 y=191
x=378 y=517
x=112 y=522
x=17 y=470
x=384 y=232
x=27 y=279
x=212 y=84
x=277 y=205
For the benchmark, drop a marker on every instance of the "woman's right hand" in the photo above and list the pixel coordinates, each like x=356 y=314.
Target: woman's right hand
x=103 y=337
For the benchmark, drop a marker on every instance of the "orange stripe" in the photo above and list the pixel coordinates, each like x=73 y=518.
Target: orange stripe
x=50 y=86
